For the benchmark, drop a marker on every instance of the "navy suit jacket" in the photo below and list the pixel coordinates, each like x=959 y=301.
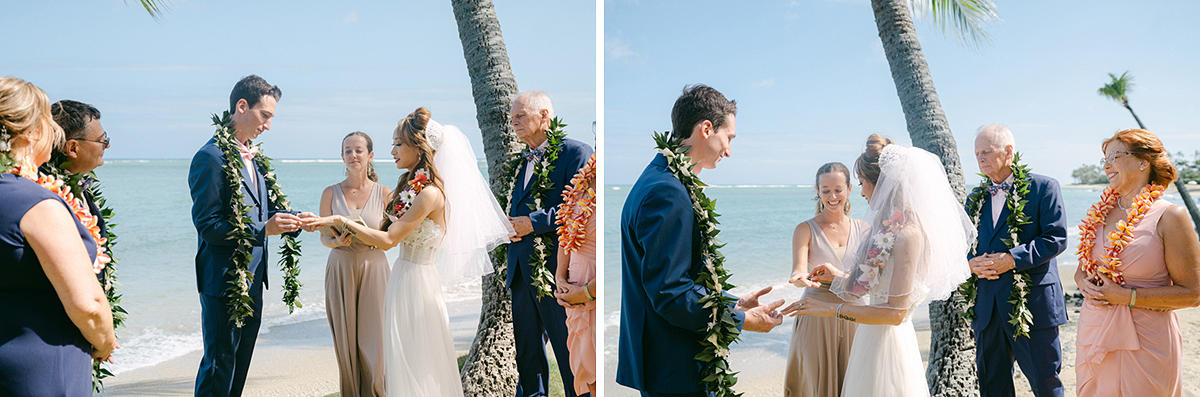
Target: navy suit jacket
x=661 y=317
x=573 y=156
x=210 y=214
x=1041 y=241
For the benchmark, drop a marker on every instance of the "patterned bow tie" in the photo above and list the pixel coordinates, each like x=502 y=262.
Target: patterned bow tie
x=996 y=188
x=534 y=154
x=248 y=154
x=86 y=183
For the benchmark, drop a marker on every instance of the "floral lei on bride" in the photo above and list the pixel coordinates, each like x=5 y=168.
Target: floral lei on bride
x=1110 y=263
x=405 y=198
x=238 y=292
x=722 y=329
x=871 y=270
x=1021 y=318
x=81 y=184
x=540 y=186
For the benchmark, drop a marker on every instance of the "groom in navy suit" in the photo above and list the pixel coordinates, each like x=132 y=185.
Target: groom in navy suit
x=661 y=317
x=227 y=348
x=535 y=318
x=1039 y=355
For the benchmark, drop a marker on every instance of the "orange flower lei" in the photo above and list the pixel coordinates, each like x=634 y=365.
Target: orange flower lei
x=26 y=170
x=579 y=202
x=1110 y=262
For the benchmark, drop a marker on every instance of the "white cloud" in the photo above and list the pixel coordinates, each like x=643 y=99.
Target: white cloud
x=353 y=17
x=764 y=83
x=618 y=49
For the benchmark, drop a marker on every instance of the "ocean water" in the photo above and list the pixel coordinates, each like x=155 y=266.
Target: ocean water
x=157 y=248
x=756 y=224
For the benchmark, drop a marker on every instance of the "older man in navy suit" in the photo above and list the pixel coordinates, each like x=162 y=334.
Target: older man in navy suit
x=533 y=317
x=661 y=316
x=1039 y=353
x=228 y=348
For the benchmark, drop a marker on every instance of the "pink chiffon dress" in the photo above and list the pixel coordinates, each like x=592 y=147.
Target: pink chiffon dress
x=581 y=332
x=1124 y=351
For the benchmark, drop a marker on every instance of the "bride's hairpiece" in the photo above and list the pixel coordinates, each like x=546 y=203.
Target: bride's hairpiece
x=435 y=134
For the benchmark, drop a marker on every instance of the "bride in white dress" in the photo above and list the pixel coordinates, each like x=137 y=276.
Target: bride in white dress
x=442 y=205
x=915 y=251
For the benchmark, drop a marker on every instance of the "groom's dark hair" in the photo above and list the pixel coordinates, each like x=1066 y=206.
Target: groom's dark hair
x=252 y=88
x=698 y=103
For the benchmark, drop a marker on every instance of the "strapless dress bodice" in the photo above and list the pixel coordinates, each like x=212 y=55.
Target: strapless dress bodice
x=421 y=246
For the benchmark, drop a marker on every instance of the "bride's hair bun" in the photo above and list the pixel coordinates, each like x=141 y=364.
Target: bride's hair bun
x=867 y=165
x=418 y=119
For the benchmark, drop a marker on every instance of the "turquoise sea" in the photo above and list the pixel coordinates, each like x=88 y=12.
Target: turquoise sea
x=756 y=225
x=157 y=248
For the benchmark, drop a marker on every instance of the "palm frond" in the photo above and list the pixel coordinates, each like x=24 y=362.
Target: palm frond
x=1118 y=88
x=970 y=18
x=154 y=7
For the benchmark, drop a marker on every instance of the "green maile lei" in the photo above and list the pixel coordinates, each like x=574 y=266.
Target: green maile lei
x=1021 y=317
x=543 y=247
x=722 y=330
x=57 y=168
x=238 y=291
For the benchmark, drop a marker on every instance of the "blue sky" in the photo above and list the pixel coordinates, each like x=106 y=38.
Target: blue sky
x=812 y=82
x=342 y=66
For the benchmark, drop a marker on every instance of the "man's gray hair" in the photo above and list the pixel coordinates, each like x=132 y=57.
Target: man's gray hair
x=997 y=133
x=538 y=100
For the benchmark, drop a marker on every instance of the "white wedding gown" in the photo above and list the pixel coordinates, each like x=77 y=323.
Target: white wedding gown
x=885 y=360
x=420 y=352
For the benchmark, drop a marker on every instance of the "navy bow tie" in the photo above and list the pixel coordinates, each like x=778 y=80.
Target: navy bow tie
x=996 y=188
x=534 y=154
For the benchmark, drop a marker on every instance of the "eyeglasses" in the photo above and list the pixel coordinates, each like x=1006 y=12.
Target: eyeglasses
x=103 y=140
x=1112 y=157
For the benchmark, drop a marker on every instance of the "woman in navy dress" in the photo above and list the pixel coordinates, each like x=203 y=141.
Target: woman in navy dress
x=56 y=319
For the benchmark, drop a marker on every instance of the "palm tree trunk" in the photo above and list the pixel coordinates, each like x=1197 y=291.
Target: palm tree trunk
x=951 y=370
x=1184 y=194
x=1135 y=117
x=490 y=368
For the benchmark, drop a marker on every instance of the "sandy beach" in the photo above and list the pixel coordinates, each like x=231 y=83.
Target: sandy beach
x=761 y=358
x=289 y=360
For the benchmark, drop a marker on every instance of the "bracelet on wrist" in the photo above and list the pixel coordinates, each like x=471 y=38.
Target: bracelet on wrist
x=1132 y=296
x=586 y=293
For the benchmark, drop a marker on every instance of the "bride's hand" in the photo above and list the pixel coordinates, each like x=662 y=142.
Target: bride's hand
x=318 y=222
x=811 y=307
x=824 y=272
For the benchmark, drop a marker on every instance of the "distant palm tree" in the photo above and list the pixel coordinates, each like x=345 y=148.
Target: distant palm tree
x=1117 y=90
x=951 y=370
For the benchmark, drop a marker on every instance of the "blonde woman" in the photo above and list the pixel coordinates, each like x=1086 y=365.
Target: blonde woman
x=56 y=317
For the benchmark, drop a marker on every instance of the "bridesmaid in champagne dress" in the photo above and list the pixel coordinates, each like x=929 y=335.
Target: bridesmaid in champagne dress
x=820 y=346
x=1129 y=341
x=356 y=274
x=575 y=277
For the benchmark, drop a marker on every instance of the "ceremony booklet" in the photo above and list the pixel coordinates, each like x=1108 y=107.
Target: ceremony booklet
x=336 y=231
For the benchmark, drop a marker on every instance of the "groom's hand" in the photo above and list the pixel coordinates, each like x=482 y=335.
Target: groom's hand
x=282 y=223
x=750 y=301
x=763 y=318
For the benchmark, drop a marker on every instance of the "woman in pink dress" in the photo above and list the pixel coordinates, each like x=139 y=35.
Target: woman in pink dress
x=575 y=278
x=1129 y=342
